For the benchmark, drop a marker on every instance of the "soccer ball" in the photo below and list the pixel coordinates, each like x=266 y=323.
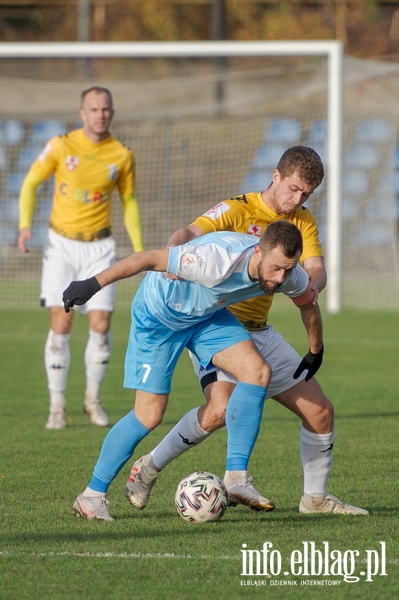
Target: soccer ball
x=201 y=497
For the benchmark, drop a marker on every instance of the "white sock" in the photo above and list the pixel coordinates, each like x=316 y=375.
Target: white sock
x=97 y=353
x=316 y=456
x=92 y=493
x=57 y=401
x=234 y=476
x=187 y=434
x=57 y=358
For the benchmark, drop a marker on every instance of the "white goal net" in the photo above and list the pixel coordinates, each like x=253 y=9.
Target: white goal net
x=206 y=128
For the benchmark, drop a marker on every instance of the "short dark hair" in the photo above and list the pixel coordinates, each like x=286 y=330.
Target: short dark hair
x=284 y=234
x=99 y=90
x=303 y=161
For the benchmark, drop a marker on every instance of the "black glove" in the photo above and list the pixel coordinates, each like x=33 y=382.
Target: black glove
x=311 y=362
x=79 y=292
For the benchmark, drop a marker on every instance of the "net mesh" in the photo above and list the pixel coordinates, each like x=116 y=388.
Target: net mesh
x=203 y=130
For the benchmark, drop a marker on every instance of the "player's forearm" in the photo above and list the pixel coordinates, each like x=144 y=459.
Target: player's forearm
x=151 y=260
x=184 y=235
x=316 y=270
x=312 y=320
x=319 y=278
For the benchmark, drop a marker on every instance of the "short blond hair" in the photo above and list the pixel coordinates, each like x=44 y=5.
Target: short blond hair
x=98 y=90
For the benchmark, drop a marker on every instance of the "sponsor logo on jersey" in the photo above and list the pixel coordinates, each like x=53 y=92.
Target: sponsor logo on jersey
x=45 y=151
x=85 y=196
x=255 y=230
x=217 y=211
x=241 y=198
x=113 y=170
x=71 y=163
x=188 y=259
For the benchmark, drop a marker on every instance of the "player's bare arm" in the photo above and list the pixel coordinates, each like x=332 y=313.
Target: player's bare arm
x=312 y=320
x=24 y=236
x=317 y=271
x=79 y=292
x=184 y=235
x=150 y=260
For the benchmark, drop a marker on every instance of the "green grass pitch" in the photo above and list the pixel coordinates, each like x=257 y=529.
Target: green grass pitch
x=46 y=553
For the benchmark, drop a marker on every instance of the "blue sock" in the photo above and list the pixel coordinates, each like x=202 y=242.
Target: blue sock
x=117 y=448
x=243 y=417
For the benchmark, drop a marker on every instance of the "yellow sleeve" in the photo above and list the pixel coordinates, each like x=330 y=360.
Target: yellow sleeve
x=131 y=217
x=27 y=199
x=311 y=243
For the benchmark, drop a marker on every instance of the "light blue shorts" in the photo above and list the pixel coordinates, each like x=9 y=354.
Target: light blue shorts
x=153 y=349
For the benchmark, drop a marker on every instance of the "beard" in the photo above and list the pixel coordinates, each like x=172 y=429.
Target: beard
x=266 y=287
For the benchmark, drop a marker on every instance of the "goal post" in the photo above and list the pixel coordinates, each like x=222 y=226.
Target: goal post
x=333 y=52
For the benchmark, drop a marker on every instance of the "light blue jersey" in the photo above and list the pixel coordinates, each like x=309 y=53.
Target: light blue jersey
x=168 y=316
x=215 y=272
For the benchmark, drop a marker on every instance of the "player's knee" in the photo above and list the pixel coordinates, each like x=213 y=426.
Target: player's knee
x=322 y=417
x=328 y=414
x=151 y=421
x=149 y=414
x=266 y=374
x=258 y=373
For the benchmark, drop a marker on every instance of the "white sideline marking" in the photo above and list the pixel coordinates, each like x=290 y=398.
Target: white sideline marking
x=123 y=555
x=392 y=561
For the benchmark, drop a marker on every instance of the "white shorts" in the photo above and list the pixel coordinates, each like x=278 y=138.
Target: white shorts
x=282 y=358
x=66 y=260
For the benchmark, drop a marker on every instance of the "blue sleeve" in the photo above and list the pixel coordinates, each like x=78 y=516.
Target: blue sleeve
x=296 y=283
x=173 y=260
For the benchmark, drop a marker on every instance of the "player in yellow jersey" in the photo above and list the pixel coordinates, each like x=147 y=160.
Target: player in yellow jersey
x=298 y=173
x=88 y=164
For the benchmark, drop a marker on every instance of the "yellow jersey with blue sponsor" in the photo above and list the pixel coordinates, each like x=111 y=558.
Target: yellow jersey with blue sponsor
x=249 y=213
x=86 y=174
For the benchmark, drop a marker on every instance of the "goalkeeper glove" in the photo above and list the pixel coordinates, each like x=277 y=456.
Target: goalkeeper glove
x=79 y=292
x=311 y=362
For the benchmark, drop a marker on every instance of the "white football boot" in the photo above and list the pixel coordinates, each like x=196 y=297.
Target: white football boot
x=94 y=409
x=92 y=507
x=328 y=504
x=240 y=490
x=142 y=478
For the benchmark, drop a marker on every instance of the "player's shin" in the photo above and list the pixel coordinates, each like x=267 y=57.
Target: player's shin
x=57 y=358
x=316 y=456
x=187 y=434
x=97 y=353
x=243 y=417
x=117 y=448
